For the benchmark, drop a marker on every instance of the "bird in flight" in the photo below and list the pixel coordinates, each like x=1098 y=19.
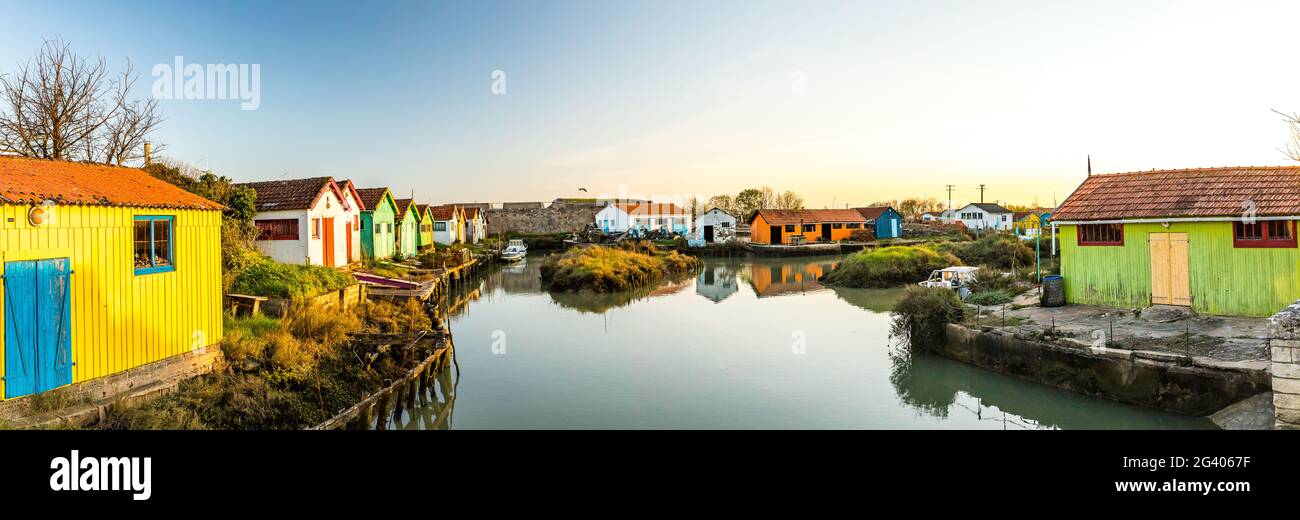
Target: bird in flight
x=582 y=189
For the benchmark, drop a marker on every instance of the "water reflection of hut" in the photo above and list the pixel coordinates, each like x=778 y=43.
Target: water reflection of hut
x=778 y=278
x=717 y=282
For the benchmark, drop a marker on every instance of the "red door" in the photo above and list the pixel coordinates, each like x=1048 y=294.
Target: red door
x=327 y=241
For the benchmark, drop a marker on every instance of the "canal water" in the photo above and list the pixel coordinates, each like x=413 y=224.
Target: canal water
x=753 y=343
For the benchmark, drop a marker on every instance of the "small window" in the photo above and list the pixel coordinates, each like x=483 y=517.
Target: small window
x=809 y=228
x=153 y=244
x=789 y=228
x=1270 y=233
x=1101 y=235
x=315 y=228
x=277 y=229
x=363 y=225
x=439 y=226
x=726 y=224
x=855 y=226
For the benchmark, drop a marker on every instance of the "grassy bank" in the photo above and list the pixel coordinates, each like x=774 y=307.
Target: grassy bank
x=888 y=266
x=266 y=277
x=603 y=269
x=290 y=373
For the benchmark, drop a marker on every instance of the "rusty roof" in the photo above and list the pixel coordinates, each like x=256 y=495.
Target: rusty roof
x=33 y=181
x=1202 y=192
x=292 y=193
x=808 y=216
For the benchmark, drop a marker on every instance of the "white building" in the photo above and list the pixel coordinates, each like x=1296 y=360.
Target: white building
x=618 y=217
x=715 y=225
x=985 y=216
x=929 y=217
x=307 y=221
x=475 y=224
x=448 y=224
x=355 y=206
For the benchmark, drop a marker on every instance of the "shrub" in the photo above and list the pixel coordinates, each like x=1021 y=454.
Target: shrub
x=888 y=266
x=393 y=318
x=921 y=316
x=273 y=279
x=1000 y=251
x=990 y=297
x=862 y=235
x=604 y=269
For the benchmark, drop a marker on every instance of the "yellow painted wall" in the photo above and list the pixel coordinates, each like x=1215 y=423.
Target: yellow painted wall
x=121 y=320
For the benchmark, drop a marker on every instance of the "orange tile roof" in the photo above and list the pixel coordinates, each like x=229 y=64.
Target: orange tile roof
x=32 y=181
x=650 y=208
x=808 y=216
x=1200 y=192
x=442 y=212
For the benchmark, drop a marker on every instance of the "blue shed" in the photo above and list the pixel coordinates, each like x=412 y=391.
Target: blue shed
x=888 y=222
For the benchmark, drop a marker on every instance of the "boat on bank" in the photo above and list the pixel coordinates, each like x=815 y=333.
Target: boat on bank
x=515 y=251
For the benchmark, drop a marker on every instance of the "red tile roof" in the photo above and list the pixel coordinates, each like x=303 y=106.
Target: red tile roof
x=471 y=213
x=346 y=186
x=402 y=206
x=650 y=208
x=442 y=212
x=371 y=197
x=32 y=181
x=808 y=216
x=1201 y=192
x=873 y=212
x=292 y=193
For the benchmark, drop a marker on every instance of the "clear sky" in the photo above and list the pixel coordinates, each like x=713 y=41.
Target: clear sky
x=842 y=102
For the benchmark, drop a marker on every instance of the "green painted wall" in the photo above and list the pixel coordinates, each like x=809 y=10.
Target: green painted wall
x=377 y=229
x=409 y=235
x=1224 y=280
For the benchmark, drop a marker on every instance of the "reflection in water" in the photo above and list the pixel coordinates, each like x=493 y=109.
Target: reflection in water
x=717 y=281
x=434 y=406
x=777 y=276
x=788 y=354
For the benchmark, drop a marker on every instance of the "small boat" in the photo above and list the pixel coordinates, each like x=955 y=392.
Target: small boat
x=959 y=278
x=515 y=251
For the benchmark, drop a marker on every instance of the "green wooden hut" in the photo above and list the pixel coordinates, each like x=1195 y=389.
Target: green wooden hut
x=408 y=227
x=377 y=222
x=1221 y=241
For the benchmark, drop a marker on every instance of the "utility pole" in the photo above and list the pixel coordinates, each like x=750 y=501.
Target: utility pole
x=950 y=187
x=982 y=194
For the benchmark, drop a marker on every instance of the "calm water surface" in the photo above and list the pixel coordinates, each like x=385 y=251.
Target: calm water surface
x=748 y=343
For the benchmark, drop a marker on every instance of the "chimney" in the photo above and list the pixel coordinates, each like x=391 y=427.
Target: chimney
x=148 y=151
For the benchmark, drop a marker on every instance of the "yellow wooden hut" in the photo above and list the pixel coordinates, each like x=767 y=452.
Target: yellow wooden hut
x=105 y=270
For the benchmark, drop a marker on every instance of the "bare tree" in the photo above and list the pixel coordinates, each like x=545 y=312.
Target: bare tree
x=1292 y=150
x=60 y=105
x=788 y=200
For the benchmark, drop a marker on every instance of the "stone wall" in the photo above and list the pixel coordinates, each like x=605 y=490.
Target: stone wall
x=1284 y=347
x=541 y=220
x=1143 y=378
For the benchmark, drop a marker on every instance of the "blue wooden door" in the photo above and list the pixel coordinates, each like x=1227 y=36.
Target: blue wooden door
x=38 y=319
x=20 y=328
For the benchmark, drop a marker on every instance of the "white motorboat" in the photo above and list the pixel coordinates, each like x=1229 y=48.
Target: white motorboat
x=515 y=251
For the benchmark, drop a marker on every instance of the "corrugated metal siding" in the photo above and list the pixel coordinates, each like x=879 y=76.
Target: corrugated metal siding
x=1224 y=280
x=121 y=320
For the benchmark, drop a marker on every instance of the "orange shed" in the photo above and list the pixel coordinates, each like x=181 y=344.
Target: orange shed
x=776 y=226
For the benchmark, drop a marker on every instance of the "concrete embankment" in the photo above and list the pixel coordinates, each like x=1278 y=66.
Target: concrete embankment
x=1192 y=386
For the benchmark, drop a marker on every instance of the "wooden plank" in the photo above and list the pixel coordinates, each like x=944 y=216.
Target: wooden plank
x=1160 y=294
x=1180 y=290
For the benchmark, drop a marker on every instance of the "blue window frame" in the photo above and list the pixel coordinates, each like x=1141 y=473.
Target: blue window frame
x=154 y=244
